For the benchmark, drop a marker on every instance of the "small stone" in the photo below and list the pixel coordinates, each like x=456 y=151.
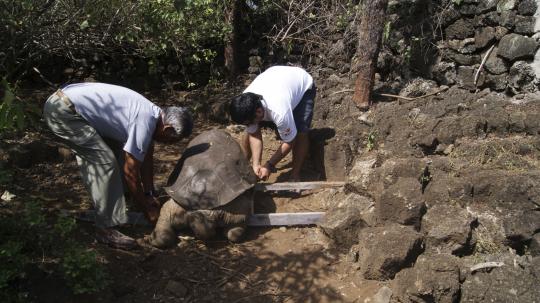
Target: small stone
x=283 y=229
x=382 y=296
x=176 y=288
x=7 y=196
x=448 y=150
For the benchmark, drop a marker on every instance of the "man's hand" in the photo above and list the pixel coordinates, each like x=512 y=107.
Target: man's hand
x=132 y=173
x=152 y=208
x=256 y=169
x=264 y=173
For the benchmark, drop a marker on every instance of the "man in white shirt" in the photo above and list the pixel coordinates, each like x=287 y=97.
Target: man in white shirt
x=111 y=131
x=285 y=96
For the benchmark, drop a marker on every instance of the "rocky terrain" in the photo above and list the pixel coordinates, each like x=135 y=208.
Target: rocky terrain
x=442 y=202
x=441 y=185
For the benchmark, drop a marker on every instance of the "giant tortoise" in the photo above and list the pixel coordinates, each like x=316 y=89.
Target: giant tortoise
x=210 y=186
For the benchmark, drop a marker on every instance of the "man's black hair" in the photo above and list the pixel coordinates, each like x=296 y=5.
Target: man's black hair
x=242 y=108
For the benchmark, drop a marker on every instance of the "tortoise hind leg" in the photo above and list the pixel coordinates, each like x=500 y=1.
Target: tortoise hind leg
x=235 y=233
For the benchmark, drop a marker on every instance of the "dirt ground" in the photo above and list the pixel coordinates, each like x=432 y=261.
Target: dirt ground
x=294 y=264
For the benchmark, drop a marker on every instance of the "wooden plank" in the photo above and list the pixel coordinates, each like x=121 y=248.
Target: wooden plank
x=289 y=186
x=277 y=219
x=285 y=219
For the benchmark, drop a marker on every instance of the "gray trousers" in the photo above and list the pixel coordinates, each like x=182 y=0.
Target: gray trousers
x=98 y=162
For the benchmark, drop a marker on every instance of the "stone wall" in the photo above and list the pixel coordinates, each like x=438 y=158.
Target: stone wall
x=446 y=41
x=473 y=27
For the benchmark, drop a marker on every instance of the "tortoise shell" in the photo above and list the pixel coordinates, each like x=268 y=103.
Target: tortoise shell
x=212 y=172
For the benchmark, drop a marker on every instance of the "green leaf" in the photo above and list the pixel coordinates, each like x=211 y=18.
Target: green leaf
x=84 y=25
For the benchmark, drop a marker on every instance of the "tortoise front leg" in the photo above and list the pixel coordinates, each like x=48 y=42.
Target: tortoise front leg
x=171 y=218
x=202 y=223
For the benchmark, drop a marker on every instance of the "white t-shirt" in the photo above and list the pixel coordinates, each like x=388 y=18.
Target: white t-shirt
x=117 y=113
x=282 y=88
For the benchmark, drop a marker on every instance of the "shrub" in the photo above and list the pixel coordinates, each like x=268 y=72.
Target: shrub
x=29 y=240
x=85 y=32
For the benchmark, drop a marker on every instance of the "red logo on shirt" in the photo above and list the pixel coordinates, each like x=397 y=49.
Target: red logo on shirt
x=287 y=132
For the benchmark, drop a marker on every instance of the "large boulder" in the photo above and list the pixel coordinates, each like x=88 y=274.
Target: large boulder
x=362 y=173
x=497 y=82
x=461 y=29
x=527 y=7
x=466 y=75
x=484 y=36
x=347 y=214
x=508 y=190
x=402 y=203
x=534 y=245
x=434 y=278
x=506 y=5
x=508 y=19
x=520 y=226
x=522 y=77
x=525 y=25
x=514 y=281
x=384 y=251
x=448 y=229
x=495 y=64
x=514 y=47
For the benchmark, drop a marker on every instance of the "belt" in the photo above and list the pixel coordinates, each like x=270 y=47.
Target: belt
x=64 y=98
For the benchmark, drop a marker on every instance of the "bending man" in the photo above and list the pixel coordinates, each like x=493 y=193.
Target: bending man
x=111 y=131
x=285 y=96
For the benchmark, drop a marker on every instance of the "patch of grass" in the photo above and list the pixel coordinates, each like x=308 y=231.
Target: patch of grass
x=495 y=154
x=485 y=244
x=371 y=140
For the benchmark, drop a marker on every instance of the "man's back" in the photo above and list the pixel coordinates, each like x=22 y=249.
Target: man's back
x=117 y=113
x=282 y=87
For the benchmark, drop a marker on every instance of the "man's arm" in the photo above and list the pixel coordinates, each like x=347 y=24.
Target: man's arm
x=279 y=154
x=147 y=170
x=132 y=173
x=256 y=146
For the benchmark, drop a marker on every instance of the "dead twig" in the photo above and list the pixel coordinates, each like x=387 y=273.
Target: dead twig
x=486 y=265
x=260 y=295
x=433 y=93
x=416 y=98
x=393 y=96
x=342 y=91
x=482 y=64
x=296 y=19
x=397 y=97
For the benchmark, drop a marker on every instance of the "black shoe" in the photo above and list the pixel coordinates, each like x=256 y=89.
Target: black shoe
x=115 y=239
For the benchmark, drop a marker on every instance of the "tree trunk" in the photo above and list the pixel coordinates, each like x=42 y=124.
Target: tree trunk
x=233 y=16
x=370 y=29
